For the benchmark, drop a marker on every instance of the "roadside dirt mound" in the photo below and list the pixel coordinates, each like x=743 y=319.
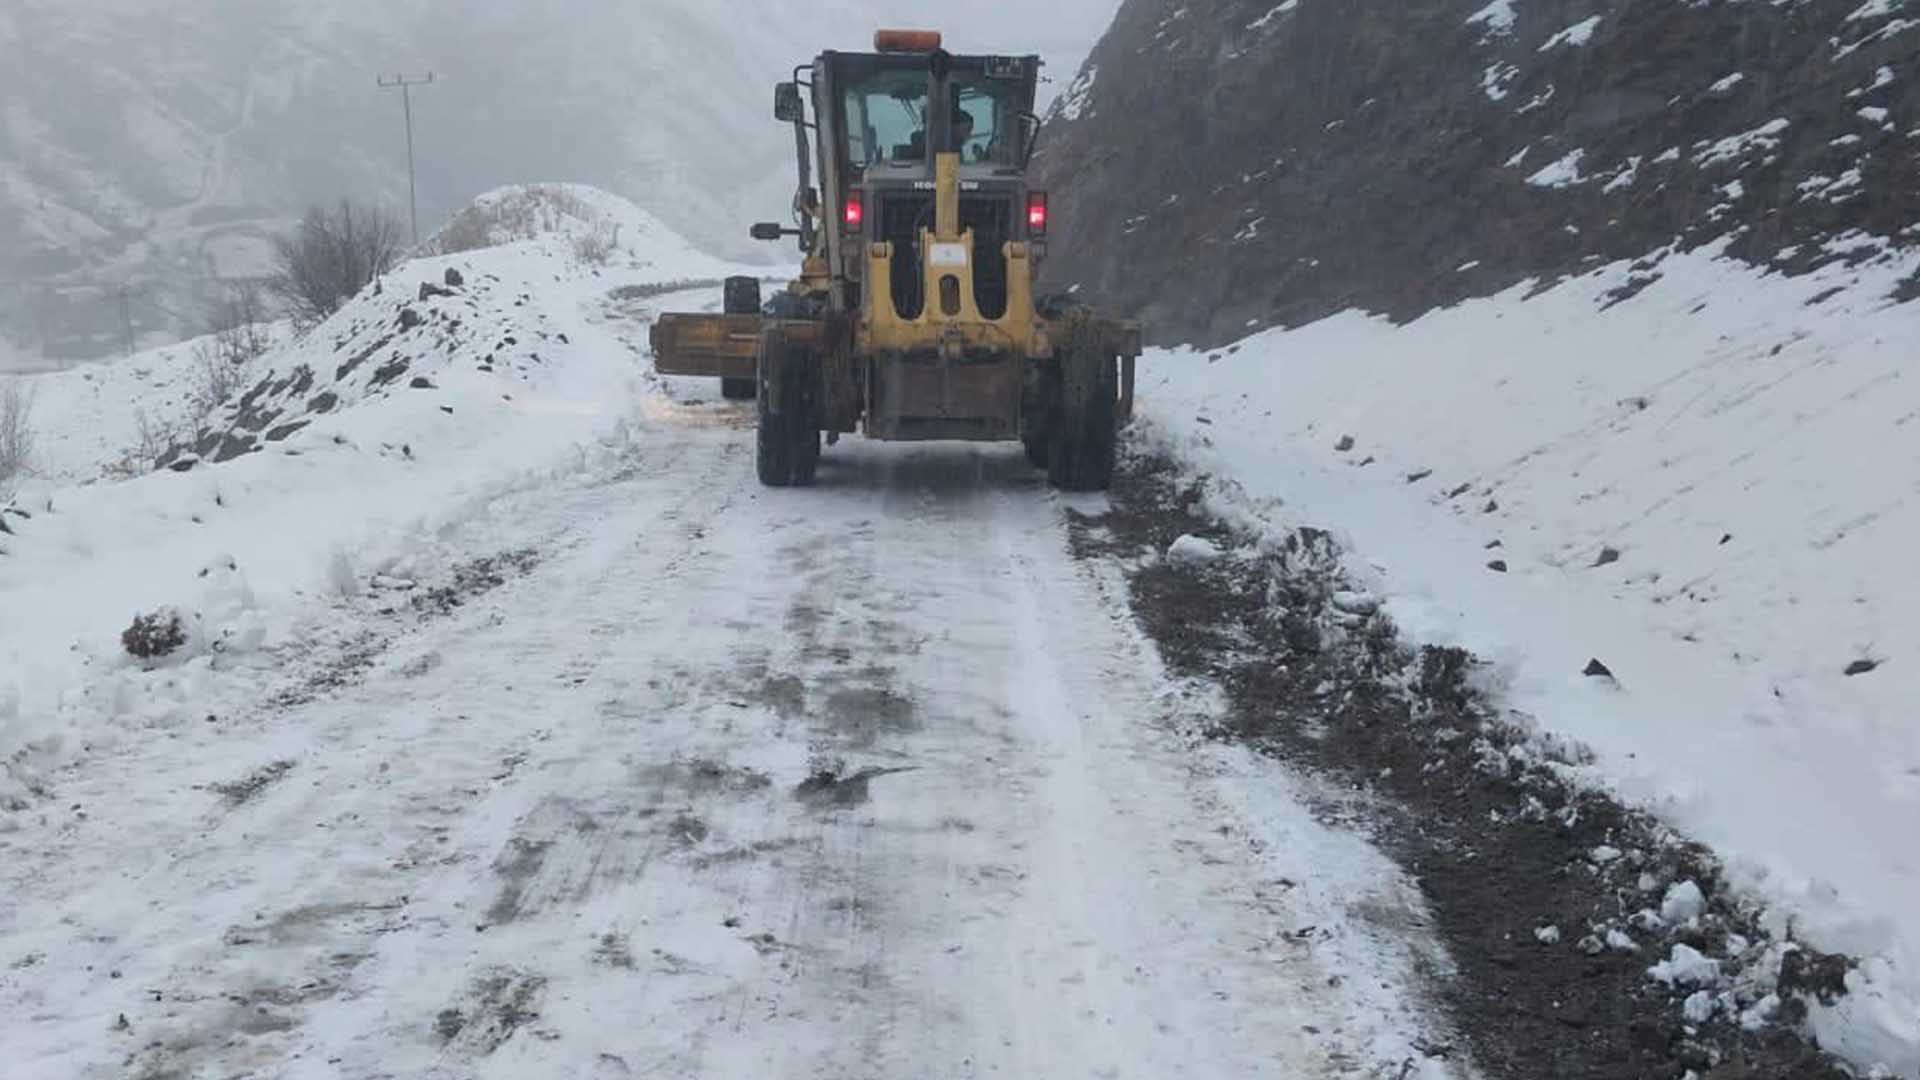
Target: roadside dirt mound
x=1591 y=942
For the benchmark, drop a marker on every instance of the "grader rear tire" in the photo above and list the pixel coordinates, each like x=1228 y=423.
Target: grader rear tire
x=787 y=444
x=1086 y=431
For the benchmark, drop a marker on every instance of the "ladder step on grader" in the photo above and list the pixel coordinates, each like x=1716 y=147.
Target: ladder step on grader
x=914 y=316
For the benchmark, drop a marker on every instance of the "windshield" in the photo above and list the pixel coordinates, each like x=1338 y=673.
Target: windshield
x=884 y=114
x=991 y=109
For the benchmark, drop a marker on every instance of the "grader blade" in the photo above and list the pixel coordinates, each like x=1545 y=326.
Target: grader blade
x=707 y=345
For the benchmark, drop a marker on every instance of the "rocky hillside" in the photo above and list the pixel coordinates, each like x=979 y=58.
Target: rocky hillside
x=1224 y=165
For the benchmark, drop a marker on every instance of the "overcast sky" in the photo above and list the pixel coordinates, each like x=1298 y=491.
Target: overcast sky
x=1061 y=31
x=1011 y=24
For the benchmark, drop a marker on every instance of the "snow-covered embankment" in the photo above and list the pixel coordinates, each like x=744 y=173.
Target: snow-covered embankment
x=455 y=380
x=1710 y=484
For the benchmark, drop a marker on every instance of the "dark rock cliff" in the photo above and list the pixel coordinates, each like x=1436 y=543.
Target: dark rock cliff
x=1221 y=165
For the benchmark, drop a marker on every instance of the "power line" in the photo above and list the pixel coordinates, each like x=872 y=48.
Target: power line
x=406 y=85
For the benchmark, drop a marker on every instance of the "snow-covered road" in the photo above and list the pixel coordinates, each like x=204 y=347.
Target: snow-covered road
x=869 y=780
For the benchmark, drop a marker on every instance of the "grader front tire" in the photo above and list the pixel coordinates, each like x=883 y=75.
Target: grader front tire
x=740 y=295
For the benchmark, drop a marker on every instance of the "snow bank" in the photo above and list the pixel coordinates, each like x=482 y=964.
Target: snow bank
x=1497 y=17
x=1686 y=966
x=1578 y=34
x=1704 y=476
x=456 y=381
x=571 y=212
x=93 y=414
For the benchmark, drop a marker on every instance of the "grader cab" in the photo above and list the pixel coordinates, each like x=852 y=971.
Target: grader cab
x=914 y=315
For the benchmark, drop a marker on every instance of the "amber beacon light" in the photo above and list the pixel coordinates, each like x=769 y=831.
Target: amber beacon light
x=907 y=41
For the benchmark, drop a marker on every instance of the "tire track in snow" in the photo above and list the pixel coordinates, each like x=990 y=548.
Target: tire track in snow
x=349 y=785
x=577 y=845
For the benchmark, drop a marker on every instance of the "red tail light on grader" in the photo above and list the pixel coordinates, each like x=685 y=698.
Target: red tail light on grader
x=914 y=315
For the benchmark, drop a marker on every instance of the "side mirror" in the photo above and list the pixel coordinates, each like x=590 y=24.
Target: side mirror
x=1029 y=136
x=768 y=230
x=786 y=103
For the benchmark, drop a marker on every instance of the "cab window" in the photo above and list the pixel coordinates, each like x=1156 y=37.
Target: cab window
x=884 y=116
x=994 y=107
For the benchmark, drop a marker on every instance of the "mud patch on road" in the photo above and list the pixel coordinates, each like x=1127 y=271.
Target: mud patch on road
x=421 y=666
x=269 y=1010
x=473 y=579
x=686 y=830
x=516 y=867
x=312 y=923
x=262 y=1010
x=863 y=714
x=325 y=668
x=746 y=853
x=830 y=786
x=239 y=792
x=1547 y=896
x=614 y=950
x=860 y=909
x=499 y=1004
x=256 y=1007
x=340 y=665
x=782 y=692
x=803 y=555
x=804 y=619
x=700 y=777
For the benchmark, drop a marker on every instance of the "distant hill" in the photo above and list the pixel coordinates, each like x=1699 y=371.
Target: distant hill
x=157 y=144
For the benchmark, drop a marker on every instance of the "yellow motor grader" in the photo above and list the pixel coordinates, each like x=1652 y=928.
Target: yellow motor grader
x=914 y=315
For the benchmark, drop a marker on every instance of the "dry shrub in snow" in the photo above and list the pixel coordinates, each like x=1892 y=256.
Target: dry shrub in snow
x=153 y=436
x=516 y=214
x=238 y=323
x=216 y=378
x=16 y=432
x=152 y=636
x=331 y=256
x=593 y=248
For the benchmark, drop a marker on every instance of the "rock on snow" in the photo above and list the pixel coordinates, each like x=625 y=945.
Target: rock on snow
x=1686 y=966
x=1193 y=551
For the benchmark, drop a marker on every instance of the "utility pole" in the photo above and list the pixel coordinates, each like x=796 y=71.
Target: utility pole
x=406 y=85
x=126 y=319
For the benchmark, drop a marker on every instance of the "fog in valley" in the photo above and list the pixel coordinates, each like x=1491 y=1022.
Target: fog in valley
x=150 y=148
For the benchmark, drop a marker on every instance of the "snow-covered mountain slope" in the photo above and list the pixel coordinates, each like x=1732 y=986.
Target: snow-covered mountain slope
x=1712 y=487
x=92 y=420
x=157 y=144
x=454 y=379
x=1227 y=164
